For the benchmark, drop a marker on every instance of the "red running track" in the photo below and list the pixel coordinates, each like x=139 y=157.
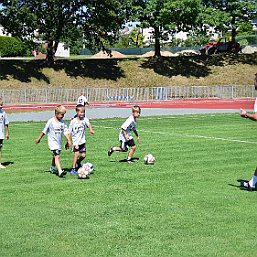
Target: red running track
x=180 y=103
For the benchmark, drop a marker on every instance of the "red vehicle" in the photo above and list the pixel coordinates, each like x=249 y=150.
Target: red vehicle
x=223 y=45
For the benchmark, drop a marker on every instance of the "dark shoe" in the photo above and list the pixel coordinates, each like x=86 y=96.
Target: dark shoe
x=110 y=152
x=247 y=186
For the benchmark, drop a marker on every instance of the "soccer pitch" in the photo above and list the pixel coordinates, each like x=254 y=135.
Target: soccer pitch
x=187 y=204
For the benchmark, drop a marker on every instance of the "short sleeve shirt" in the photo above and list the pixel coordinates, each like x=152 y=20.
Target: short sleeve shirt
x=3 y=122
x=77 y=130
x=129 y=125
x=54 y=130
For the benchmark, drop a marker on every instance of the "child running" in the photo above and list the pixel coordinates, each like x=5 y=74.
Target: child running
x=125 y=137
x=55 y=128
x=3 y=129
x=77 y=129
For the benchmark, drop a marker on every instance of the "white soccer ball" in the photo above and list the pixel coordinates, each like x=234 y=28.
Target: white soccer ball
x=149 y=159
x=83 y=172
x=89 y=166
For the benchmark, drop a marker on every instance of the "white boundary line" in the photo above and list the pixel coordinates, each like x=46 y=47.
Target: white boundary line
x=187 y=135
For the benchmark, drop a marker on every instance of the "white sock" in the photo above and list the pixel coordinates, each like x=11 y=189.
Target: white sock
x=129 y=158
x=253 y=181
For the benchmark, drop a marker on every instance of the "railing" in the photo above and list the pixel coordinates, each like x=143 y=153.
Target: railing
x=63 y=95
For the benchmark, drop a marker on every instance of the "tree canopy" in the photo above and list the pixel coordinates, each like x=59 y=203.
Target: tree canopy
x=166 y=16
x=95 y=21
x=227 y=15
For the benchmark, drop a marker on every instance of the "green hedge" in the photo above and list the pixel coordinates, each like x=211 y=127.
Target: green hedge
x=247 y=39
x=11 y=47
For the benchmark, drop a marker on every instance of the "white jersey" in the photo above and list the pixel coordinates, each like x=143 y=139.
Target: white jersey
x=55 y=129
x=82 y=100
x=77 y=129
x=255 y=105
x=3 y=122
x=129 y=125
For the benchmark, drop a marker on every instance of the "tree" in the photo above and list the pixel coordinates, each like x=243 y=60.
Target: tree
x=227 y=15
x=95 y=21
x=166 y=16
x=134 y=39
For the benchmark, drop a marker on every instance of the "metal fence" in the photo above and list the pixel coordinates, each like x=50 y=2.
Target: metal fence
x=63 y=95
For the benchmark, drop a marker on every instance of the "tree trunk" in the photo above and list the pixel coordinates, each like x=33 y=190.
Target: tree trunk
x=157 y=46
x=50 y=53
x=51 y=50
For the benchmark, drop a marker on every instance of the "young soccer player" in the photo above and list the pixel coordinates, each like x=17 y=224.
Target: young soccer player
x=82 y=100
x=125 y=137
x=77 y=129
x=3 y=129
x=55 y=128
x=252 y=116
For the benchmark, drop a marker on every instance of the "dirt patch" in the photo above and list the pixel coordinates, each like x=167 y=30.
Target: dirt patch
x=105 y=55
x=163 y=53
x=188 y=52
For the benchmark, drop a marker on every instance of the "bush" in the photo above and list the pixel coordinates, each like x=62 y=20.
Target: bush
x=11 y=47
x=247 y=39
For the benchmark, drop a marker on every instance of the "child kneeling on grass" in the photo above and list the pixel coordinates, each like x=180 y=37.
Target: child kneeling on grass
x=125 y=137
x=55 y=128
x=77 y=129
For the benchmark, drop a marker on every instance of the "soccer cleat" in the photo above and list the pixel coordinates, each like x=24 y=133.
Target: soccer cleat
x=129 y=161
x=62 y=173
x=73 y=172
x=110 y=151
x=52 y=170
x=247 y=186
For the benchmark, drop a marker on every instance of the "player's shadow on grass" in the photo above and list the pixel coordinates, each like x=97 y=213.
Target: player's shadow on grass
x=7 y=163
x=125 y=160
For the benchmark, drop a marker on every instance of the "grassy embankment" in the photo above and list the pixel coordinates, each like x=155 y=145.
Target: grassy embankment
x=137 y=72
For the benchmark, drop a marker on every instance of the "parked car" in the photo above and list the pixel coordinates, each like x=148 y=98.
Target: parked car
x=223 y=45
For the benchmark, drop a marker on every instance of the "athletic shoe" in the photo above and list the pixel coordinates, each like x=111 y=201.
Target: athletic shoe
x=247 y=186
x=110 y=151
x=2 y=166
x=73 y=172
x=62 y=173
x=129 y=161
x=52 y=170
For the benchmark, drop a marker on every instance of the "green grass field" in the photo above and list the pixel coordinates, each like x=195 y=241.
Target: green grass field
x=187 y=204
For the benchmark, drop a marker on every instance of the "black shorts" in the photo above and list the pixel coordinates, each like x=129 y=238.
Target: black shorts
x=79 y=148
x=1 y=142
x=56 y=152
x=124 y=145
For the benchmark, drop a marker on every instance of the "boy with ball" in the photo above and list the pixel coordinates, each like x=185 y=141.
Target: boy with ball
x=55 y=128
x=125 y=137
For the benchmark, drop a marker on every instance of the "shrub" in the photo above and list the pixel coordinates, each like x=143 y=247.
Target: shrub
x=11 y=46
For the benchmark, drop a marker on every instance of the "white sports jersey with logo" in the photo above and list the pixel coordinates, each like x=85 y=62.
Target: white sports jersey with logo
x=3 y=121
x=129 y=125
x=77 y=129
x=55 y=129
x=82 y=100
